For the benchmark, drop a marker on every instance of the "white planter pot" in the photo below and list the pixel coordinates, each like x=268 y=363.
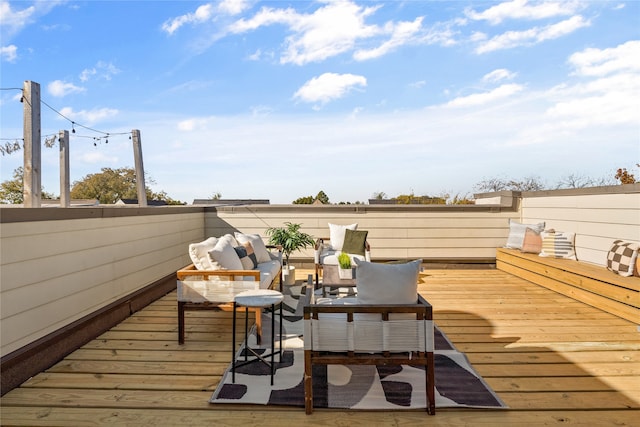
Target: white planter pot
x=289 y=275
x=345 y=273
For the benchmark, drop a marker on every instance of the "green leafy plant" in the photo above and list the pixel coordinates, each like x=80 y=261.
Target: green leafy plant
x=344 y=260
x=290 y=238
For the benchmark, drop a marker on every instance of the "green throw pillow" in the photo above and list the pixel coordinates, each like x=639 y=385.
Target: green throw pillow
x=354 y=241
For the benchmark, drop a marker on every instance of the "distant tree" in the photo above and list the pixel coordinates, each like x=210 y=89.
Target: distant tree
x=322 y=197
x=625 y=177
x=489 y=185
x=12 y=191
x=411 y=199
x=575 y=181
x=457 y=199
x=309 y=200
x=111 y=185
x=216 y=196
x=379 y=195
x=461 y=200
x=532 y=183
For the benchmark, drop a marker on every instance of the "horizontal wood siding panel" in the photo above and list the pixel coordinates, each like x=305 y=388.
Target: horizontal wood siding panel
x=589 y=201
x=597 y=220
x=391 y=234
x=55 y=272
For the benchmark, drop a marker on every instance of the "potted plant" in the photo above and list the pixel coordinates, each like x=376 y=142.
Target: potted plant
x=344 y=266
x=291 y=239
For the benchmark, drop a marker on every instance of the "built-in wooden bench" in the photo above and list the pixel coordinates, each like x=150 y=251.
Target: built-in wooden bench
x=588 y=283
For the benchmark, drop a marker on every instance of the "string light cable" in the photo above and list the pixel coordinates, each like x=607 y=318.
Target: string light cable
x=13 y=144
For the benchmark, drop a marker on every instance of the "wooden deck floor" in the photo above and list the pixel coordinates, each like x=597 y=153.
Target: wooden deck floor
x=553 y=360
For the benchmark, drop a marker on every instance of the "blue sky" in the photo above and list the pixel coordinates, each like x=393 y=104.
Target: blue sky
x=282 y=99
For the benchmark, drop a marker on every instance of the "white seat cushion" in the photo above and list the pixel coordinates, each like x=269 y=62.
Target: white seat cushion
x=268 y=271
x=330 y=257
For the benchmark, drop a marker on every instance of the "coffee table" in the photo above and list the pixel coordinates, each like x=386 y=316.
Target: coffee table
x=331 y=279
x=212 y=294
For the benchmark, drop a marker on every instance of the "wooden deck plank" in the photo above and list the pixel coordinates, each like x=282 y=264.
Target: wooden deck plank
x=252 y=416
x=555 y=361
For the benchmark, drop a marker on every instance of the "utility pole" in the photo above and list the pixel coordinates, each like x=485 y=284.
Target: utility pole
x=63 y=139
x=32 y=179
x=137 y=154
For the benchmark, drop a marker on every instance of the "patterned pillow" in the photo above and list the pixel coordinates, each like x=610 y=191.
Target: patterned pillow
x=622 y=257
x=261 y=251
x=247 y=256
x=558 y=244
x=532 y=242
x=517 y=230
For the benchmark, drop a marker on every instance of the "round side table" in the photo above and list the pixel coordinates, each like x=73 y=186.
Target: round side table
x=259 y=298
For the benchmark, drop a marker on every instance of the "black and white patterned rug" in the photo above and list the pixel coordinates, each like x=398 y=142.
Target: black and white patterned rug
x=350 y=387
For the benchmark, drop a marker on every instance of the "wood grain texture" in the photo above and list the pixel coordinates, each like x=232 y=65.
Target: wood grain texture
x=553 y=360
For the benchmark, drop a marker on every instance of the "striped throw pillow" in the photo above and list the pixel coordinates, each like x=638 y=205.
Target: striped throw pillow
x=558 y=244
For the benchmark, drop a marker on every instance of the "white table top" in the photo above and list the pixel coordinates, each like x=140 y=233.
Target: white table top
x=214 y=291
x=259 y=298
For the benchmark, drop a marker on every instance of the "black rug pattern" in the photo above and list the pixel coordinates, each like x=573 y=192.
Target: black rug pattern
x=351 y=386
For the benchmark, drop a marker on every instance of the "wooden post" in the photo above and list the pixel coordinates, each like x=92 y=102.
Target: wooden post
x=137 y=154
x=63 y=139
x=32 y=180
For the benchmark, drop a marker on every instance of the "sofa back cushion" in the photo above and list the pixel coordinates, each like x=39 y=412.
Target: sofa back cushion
x=199 y=253
x=379 y=283
x=223 y=254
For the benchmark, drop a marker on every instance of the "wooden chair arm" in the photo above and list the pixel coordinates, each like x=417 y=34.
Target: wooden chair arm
x=191 y=270
x=421 y=307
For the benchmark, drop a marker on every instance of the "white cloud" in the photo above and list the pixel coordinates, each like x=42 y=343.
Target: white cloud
x=610 y=97
x=419 y=84
x=192 y=124
x=9 y=53
x=205 y=13
x=233 y=7
x=401 y=34
x=498 y=75
x=477 y=99
x=88 y=117
x=104 y=70
x=13 y=21
x=59 y=89
x=329 y=86
x=202 y=14
x=329 y=31
x=511 y=39
x=600 y=62
x=522 y=9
